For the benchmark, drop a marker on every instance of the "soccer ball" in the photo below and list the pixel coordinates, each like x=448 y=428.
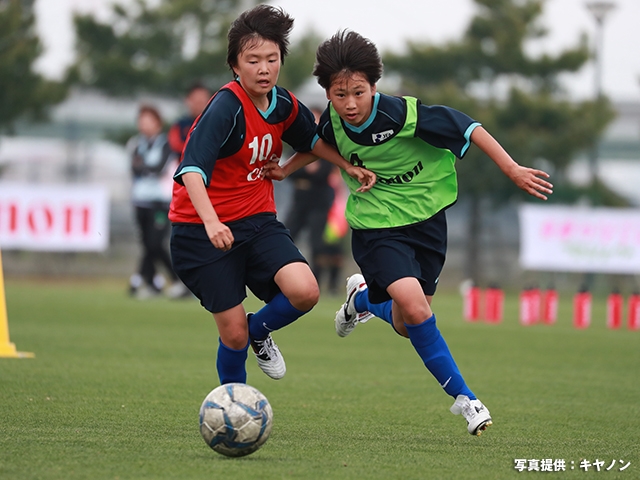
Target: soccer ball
x=235 y=419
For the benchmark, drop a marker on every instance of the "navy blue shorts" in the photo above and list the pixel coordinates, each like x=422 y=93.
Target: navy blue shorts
x=262 y=246
x=385 y=255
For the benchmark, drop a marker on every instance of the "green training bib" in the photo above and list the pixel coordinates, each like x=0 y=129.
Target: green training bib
x=415 y=179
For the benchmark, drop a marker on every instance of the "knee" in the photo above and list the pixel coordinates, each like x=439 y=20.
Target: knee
x=305 y=299
x=236 y=338
x=416 y=314
x=400 y=328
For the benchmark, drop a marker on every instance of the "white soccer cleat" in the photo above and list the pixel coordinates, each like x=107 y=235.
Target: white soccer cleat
x=145 y=293
x=178 y=290
x=269 y=358
x=347 y=317
x=475 y=413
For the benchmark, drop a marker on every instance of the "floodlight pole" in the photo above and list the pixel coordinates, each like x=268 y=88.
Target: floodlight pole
x=599 y=9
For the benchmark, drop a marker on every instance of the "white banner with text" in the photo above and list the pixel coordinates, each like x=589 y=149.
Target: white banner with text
x=54 y=217
x=580 y=239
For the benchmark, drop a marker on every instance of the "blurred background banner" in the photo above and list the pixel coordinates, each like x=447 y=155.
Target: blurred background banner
x=54 y=217
x=580 y=239
x=552 y=81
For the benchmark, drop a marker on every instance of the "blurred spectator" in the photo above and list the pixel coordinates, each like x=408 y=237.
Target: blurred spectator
x=331 y=254
x=197 y=98
x=313 y=197
x=152 y=166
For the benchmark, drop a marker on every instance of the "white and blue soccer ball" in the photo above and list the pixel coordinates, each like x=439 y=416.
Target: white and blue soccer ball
x=235 y=419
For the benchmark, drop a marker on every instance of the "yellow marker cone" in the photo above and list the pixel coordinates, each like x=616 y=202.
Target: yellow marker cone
x=7 y=349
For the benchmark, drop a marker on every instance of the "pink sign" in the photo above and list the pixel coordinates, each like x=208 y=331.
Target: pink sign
x=579 y=239
x=54 y=218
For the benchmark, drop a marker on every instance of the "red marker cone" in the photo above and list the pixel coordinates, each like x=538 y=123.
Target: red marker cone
x=493 y=304
x=582 y=309
x=614 y=310
x=535 y=299
x=527 y=307
x=549 y=306
x=471 y=304
x=634 y=311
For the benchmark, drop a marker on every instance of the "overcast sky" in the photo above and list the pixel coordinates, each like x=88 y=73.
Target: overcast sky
x=391 y=24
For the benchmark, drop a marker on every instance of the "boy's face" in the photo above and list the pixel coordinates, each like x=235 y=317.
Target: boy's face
x=197 y=100
x=351 y=96
x=258 y=66
x=148 y=124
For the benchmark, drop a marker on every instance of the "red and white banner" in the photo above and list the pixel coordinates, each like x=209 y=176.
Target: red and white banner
x=580 y=239
x=54 y=217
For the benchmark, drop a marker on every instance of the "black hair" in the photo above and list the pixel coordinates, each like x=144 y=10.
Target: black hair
x=261 y=22
x=151 y=110
x=197 y=85
x=344 y=54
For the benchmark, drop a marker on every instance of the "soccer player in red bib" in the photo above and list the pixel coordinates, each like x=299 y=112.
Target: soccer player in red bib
x=225 y=235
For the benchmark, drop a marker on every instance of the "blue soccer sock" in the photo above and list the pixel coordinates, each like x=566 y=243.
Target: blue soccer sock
x=435 y=354
x=273 y=316
x=231 y=364
x=380 y=310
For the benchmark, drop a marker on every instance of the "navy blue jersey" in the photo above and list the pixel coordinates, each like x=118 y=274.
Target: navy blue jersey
x=439 y=126
x=221 y=128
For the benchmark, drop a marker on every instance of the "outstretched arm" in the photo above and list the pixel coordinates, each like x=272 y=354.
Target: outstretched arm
x=530 y=180
x=366 y=177
x=321 y=150
x=297 y=161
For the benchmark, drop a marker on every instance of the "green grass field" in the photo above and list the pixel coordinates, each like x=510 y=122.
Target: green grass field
x=116 y=385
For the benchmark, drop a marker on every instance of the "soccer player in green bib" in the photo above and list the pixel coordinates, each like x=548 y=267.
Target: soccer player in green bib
x=399 y=229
